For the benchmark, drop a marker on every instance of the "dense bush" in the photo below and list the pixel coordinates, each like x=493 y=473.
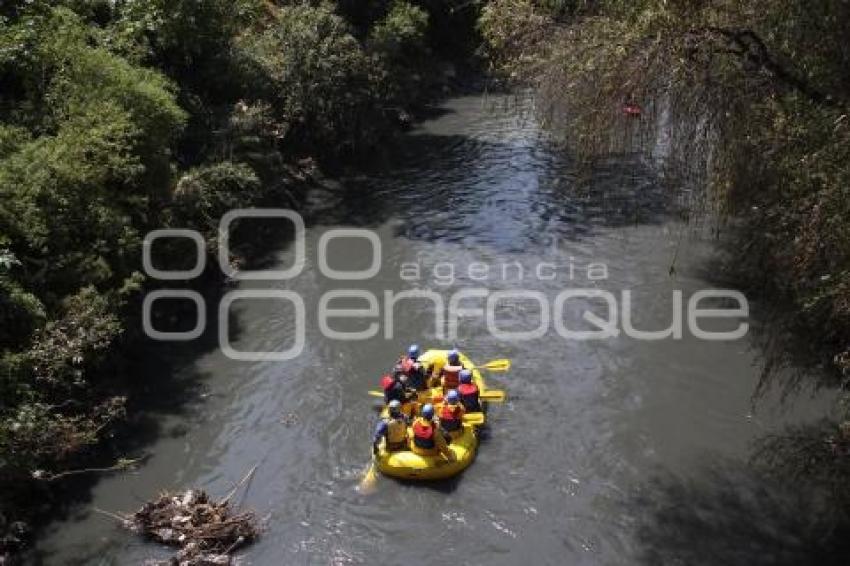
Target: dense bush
x=204 y=194
x=20 y=313
x=398 y=43
x=316 y=76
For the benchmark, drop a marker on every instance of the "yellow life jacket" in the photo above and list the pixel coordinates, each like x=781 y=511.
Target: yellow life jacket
x=396 y=433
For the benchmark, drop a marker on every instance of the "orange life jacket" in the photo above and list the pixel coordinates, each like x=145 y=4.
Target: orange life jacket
x=451 y=376
x=387 y=382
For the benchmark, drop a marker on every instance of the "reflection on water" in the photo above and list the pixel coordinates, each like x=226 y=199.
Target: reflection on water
x=603 y=455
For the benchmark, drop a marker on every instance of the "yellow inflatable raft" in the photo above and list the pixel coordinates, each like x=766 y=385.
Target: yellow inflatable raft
x=408 y=465
x=405 y=464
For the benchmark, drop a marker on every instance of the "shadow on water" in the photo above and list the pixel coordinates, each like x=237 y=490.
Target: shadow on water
x=446 y=487
x=433 y=112
x=790 y=361
x=736 y=516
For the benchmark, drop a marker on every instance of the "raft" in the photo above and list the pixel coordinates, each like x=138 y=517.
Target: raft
x=407 y=465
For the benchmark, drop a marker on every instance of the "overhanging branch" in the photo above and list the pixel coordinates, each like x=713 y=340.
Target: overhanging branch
x=751 y=48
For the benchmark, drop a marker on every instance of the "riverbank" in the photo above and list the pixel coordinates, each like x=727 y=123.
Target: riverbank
x=119 y=120
x=743 y=111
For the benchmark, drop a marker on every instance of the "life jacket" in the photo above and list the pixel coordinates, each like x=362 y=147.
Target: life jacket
x=393 y=389
x=450 y=417
x=396 y=434
x=407 y=365
x=468 y=393
x=451 y=376
x=387 y=382
x=423 y=434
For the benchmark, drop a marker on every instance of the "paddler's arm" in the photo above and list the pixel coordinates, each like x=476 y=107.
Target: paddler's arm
x=432 y=378
x=380 y=432
x=442 y=446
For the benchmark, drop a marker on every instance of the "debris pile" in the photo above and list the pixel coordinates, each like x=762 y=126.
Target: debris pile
x=205 y=530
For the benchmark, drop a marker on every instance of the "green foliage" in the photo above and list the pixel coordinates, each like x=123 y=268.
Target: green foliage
x=55 y=372
x=104 y=150
x=11 y=138
x=37 y=435
x=188 y=38
x=205 y=193
x=20 y=313
x=401 y=32
x=398 y=44
x=63 y=191
x=79 y=339
x=316 y=75
x=515 y=34
x=15 y=381
x=93 y=77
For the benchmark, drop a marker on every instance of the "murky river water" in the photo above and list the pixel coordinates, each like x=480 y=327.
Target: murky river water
x=615 y=451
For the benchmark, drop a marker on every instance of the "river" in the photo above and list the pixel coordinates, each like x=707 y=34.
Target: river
x=614 y=451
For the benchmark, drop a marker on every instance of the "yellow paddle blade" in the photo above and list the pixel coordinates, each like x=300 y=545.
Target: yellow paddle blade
x=370 y=478
x=498 y=365
x=496 y=395
x=473 y=419
x=374 y=393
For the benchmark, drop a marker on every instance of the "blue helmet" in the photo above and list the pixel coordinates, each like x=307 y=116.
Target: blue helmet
x=428 y=411
x=452 y=397
x=413 y=352
x=395 y=407
x=466 y=376
x=453 y=357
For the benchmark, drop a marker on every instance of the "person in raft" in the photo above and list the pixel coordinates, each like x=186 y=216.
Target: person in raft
x=450 y=374
x=451 y=415
x=427 y=438
x=396 y=387
x=468 y=392
x=392 y=429
x=412 y=367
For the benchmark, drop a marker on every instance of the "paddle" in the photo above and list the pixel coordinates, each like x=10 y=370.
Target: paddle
x=503 y=364
x=370 y=478
x=476 y=419
x=495 y=395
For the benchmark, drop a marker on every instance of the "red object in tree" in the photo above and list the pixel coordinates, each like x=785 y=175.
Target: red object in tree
x=631 y=109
